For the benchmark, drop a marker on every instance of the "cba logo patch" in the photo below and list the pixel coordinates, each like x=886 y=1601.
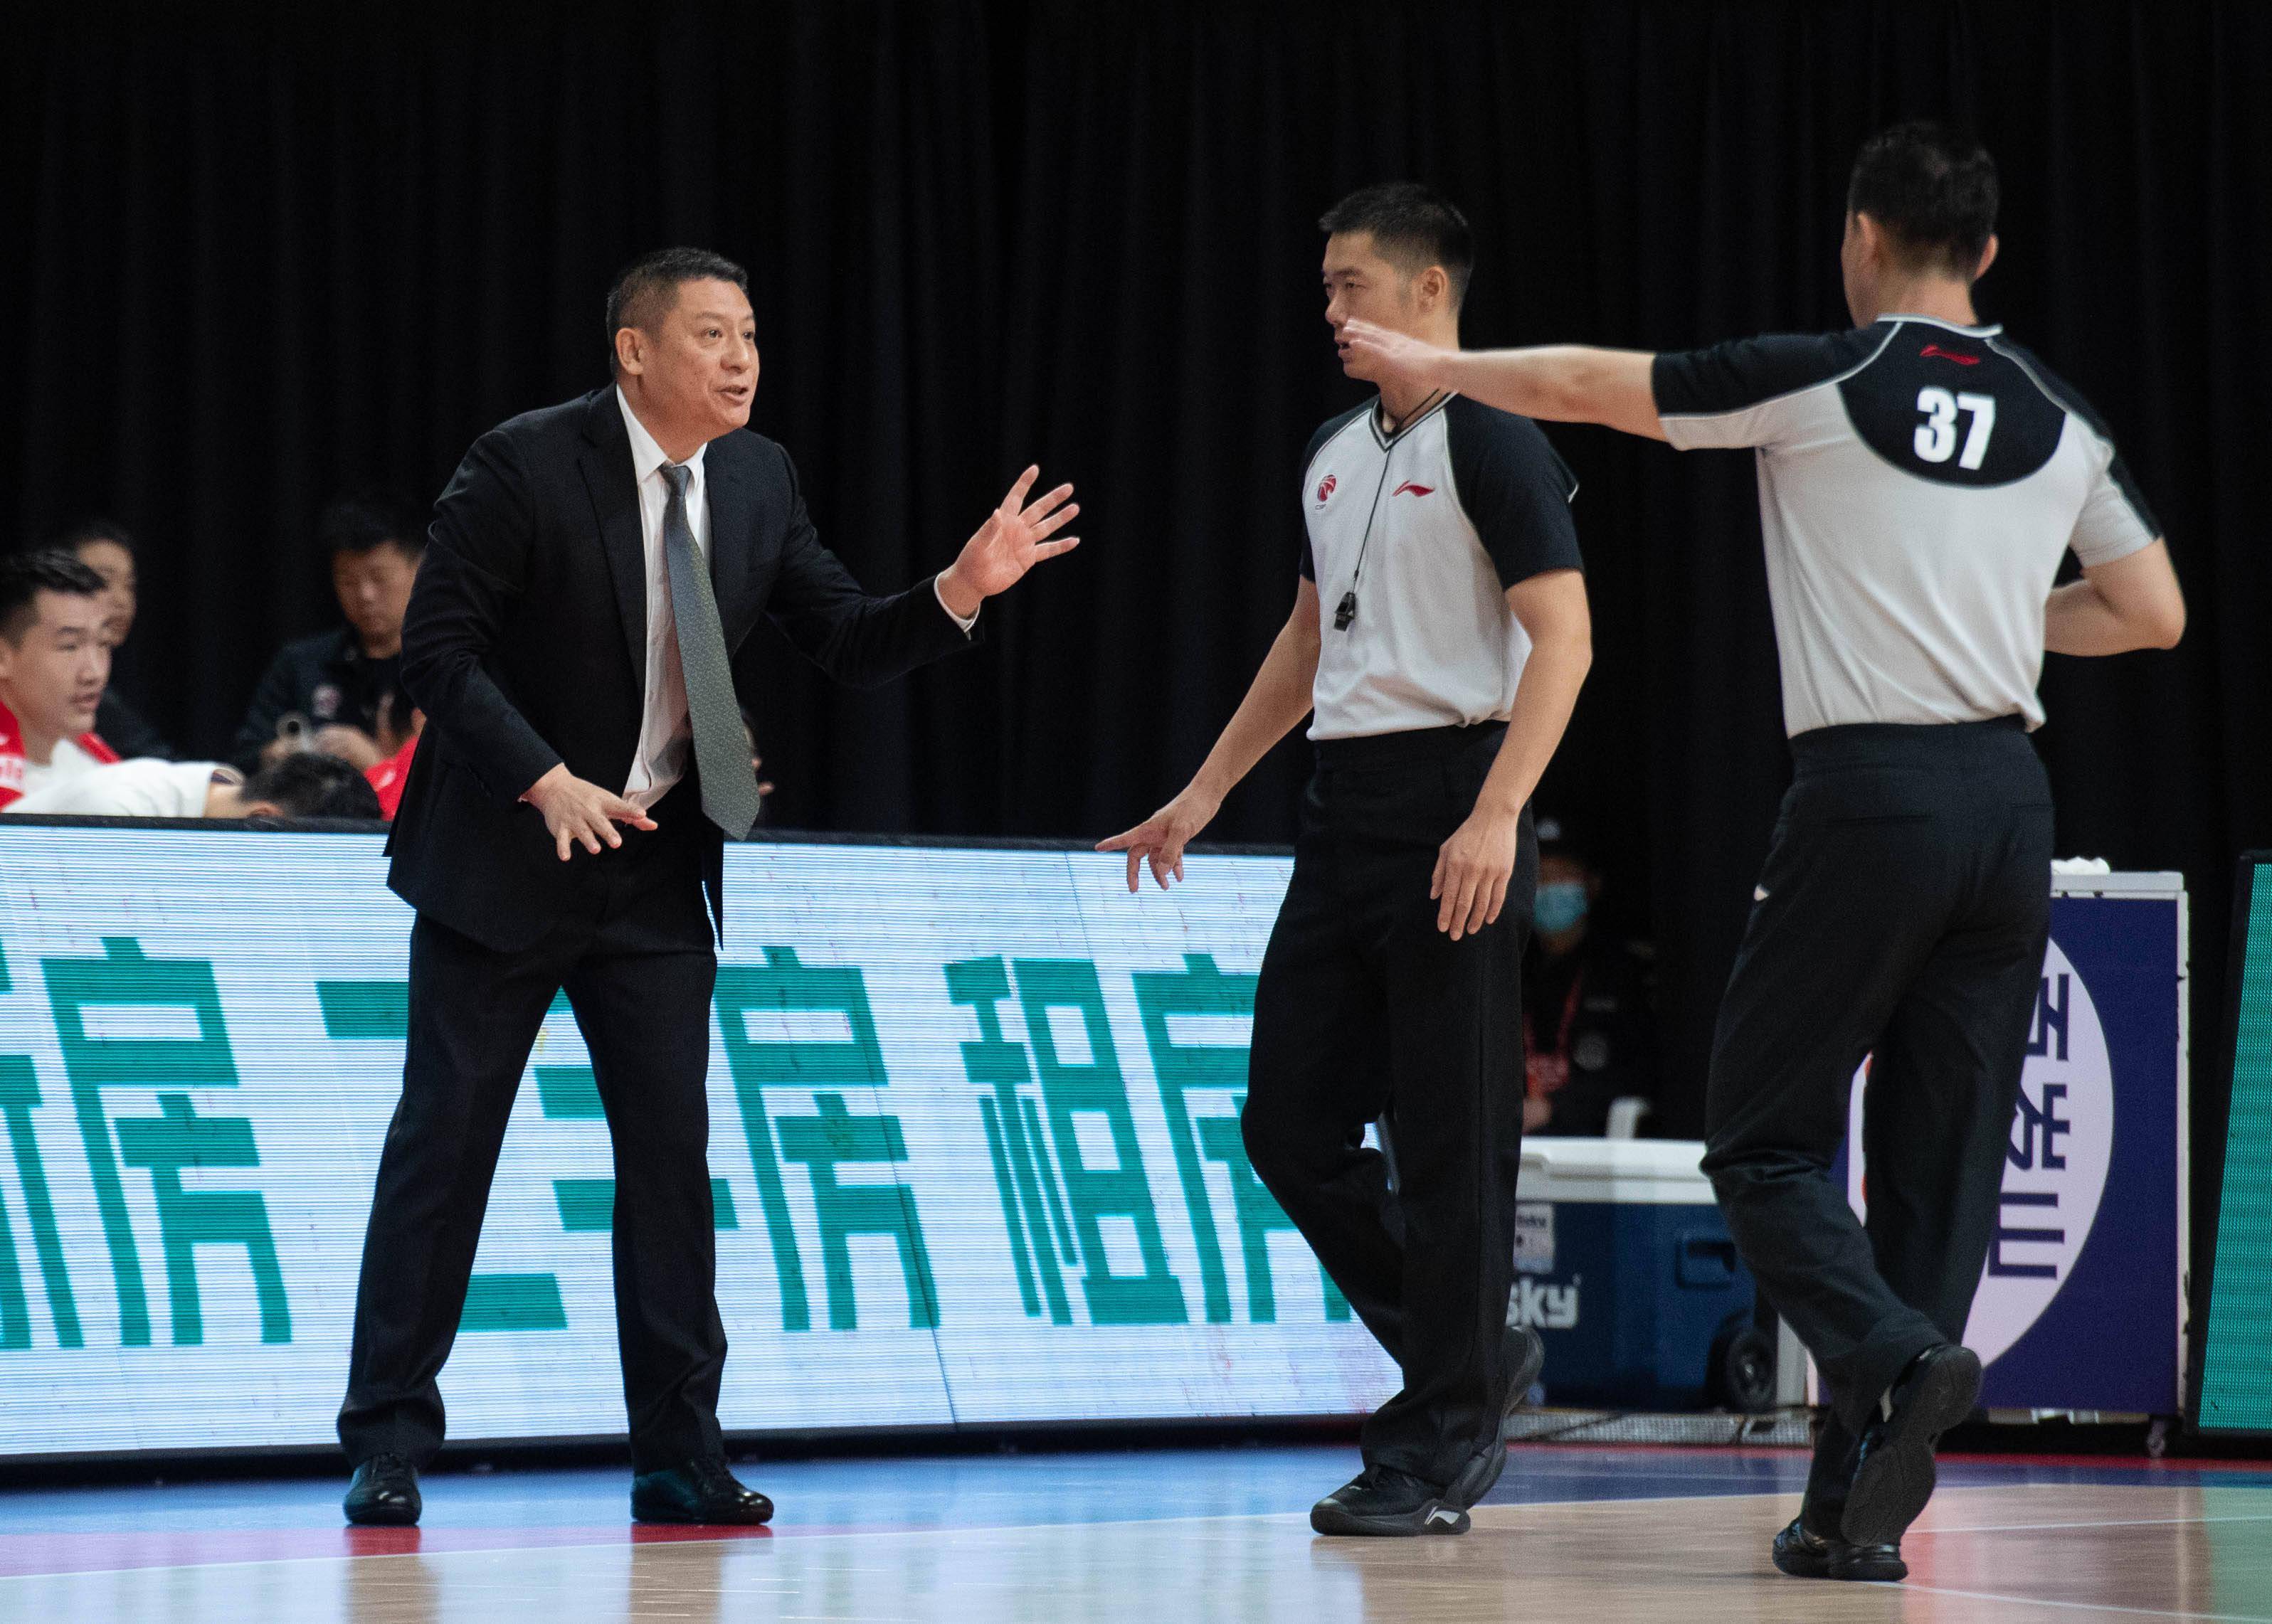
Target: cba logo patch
x=1326 y=489
x=2054 y=1165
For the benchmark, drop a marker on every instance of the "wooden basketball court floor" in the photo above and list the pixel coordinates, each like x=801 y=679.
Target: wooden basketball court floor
x=1599 y=1535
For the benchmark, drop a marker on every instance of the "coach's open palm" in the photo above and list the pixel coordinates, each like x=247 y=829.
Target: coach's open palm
x=1014 y=538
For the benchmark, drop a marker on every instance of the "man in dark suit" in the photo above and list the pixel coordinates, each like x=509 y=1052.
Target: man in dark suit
x=592 y=573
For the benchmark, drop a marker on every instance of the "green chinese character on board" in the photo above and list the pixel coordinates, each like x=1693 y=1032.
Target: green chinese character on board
x=1182 y=1070
x=830 y=1139
x=177 y=1139
x=783 y=986
x=1014 y=1142
x=123 y=979
x=1074 y=1089
x=19 y=1091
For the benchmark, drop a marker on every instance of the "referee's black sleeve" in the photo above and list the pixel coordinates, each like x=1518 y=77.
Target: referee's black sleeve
x=1514 y=488
x=1726 y=395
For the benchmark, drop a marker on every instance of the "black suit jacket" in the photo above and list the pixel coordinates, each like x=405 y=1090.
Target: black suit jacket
x=526 y=645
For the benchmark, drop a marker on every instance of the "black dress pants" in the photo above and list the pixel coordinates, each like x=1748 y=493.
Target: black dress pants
x=636 y=960
x=1365 y=1009
x=1902 y=914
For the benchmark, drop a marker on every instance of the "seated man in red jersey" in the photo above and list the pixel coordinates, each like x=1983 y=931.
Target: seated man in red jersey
x=54 y=661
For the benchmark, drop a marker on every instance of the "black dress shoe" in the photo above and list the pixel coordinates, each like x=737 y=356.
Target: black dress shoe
x=384 y=1493
x=1892 y=1470
x=701 y=1491
x=1804 y=1554
x=1382 y=1500
x=1526 y=1356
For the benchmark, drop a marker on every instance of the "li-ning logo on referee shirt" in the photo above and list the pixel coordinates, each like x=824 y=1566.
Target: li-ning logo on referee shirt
x=1409 y=489
x=1326 y=489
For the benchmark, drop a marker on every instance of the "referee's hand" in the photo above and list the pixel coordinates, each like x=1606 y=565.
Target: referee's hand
x=1160 y=839
x=1473 y=869
x=1374 y=354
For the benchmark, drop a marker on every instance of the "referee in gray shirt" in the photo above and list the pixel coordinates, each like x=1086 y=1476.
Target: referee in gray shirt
x=1921 y=479
x=1439 y=637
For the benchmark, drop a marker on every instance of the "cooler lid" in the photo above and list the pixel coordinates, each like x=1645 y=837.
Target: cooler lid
x=1626 y=1170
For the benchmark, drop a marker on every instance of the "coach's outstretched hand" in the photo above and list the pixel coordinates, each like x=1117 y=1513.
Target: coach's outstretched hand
x=1390 y=360
x=1014 y=538
x=1159 y=839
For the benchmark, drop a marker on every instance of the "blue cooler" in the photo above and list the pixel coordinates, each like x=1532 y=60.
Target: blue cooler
x=1624 y=1267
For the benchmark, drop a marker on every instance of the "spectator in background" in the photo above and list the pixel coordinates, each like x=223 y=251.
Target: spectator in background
x=301 y=785
x=345 y=685
x=1590 y=1036
x=55 y=662
x=107 y=547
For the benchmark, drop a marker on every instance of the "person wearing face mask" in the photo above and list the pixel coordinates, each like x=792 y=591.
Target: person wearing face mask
x=1588 y=1033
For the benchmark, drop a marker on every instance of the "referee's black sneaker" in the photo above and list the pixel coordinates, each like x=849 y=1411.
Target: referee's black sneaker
x=1804 y=1554
x=1894 y=1471
x=1382 y=1500
x=1526 y=1357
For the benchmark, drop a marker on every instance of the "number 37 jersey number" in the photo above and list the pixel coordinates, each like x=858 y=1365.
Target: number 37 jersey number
x=1919 y=485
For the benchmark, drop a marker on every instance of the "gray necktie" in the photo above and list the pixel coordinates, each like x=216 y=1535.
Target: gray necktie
x=722 y=749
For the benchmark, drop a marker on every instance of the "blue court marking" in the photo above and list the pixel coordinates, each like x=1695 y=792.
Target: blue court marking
x=995 y=1491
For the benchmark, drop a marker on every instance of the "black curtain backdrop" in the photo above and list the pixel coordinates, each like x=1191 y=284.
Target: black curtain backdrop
x=256 y=255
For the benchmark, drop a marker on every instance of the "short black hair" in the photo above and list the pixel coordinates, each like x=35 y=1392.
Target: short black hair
x=25 y=576
x=649 y=285
x=1934 y=192
x=365 y=519
x=84 y=531
x=305 y=784
x=1413 y=227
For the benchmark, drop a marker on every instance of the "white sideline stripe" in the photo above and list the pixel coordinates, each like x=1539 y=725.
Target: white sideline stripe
x=2069 y=1607
x=1296 y=1517
x=940 y=1530
x=2142 y=1522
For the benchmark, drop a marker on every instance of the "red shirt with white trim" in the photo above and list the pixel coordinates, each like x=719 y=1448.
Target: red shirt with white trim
x=72 y=756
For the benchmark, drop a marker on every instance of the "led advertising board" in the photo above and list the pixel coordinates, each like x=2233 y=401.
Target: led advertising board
x=974 y=1141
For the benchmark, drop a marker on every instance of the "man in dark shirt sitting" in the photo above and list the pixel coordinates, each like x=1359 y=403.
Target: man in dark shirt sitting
x=345 y=686
x=1590 y=1037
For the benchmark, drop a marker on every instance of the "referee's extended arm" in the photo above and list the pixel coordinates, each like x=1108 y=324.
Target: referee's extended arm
x=1276 y=701
x=1555 y=382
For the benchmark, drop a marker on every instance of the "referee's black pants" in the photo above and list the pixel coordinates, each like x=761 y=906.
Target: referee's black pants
x=1902 y=914
x=1365 y=1009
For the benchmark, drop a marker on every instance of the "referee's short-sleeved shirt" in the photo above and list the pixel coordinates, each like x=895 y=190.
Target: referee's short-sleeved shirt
x=1429 y=528
x=1919 y=483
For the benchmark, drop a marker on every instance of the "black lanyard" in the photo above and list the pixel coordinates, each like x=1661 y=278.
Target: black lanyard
x=1345 y=611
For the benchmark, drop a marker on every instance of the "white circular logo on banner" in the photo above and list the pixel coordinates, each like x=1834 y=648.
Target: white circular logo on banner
x=2054 y=1166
